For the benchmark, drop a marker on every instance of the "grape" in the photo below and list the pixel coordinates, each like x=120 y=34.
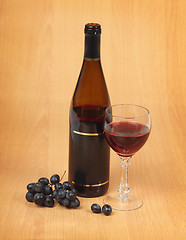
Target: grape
x=58 y=186
x=29 y=197
x=61 y=194
x=96 y=208
x=44 y=181
x=39 y=187
x=54 y=194
x=39 y=199
x=75 y=203
x=49 y=202
x=67 y=185
x=54 y=179
x=66 y=202
x=31 y=187
x=60 y=201
x=70 y=195
x=74 y=191
x=47 y=190
x=107 y=209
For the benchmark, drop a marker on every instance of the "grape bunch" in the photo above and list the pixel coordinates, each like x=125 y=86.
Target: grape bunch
x=43 y=192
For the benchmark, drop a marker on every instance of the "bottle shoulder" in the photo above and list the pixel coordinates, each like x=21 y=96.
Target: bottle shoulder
x=91 y=86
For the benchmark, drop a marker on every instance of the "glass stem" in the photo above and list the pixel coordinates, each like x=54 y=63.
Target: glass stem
x=124 y=189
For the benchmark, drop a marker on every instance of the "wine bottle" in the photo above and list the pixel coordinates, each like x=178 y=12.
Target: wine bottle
x=89 y=154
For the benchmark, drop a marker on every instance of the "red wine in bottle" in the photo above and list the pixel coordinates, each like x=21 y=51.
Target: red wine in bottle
x=89 y=153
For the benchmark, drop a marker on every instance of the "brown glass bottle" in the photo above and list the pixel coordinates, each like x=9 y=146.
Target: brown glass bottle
x=89 y=154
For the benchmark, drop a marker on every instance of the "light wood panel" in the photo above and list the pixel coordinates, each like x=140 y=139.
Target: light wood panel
x=144 y=58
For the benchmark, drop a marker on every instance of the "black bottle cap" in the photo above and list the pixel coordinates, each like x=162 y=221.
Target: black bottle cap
x=92 y=28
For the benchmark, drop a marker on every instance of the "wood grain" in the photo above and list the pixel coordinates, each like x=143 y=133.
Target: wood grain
x=144 y=57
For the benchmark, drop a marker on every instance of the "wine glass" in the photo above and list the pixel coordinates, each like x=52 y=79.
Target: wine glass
x=126 y=128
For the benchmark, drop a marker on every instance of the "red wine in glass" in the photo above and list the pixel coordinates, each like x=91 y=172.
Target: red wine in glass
x=126 y=138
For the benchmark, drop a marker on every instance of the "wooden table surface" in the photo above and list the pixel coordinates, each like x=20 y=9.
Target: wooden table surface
x=144 y=61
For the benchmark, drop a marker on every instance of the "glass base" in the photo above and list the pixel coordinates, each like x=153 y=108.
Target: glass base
x=127 y=204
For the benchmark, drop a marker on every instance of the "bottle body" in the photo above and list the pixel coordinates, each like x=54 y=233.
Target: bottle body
x=89 y=154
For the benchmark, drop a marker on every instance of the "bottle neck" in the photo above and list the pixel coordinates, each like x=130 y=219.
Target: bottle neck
x=92 y=46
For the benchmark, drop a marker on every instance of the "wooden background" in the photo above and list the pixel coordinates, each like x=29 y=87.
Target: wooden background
x=143 y=52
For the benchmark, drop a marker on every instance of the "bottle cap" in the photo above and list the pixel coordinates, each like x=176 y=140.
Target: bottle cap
x=92 y=28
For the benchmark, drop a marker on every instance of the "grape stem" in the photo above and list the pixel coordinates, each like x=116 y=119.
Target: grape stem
x=60 y=179
x=63 y=175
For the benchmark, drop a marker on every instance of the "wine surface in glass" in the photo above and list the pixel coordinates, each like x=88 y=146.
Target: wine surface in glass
x=126 y=138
